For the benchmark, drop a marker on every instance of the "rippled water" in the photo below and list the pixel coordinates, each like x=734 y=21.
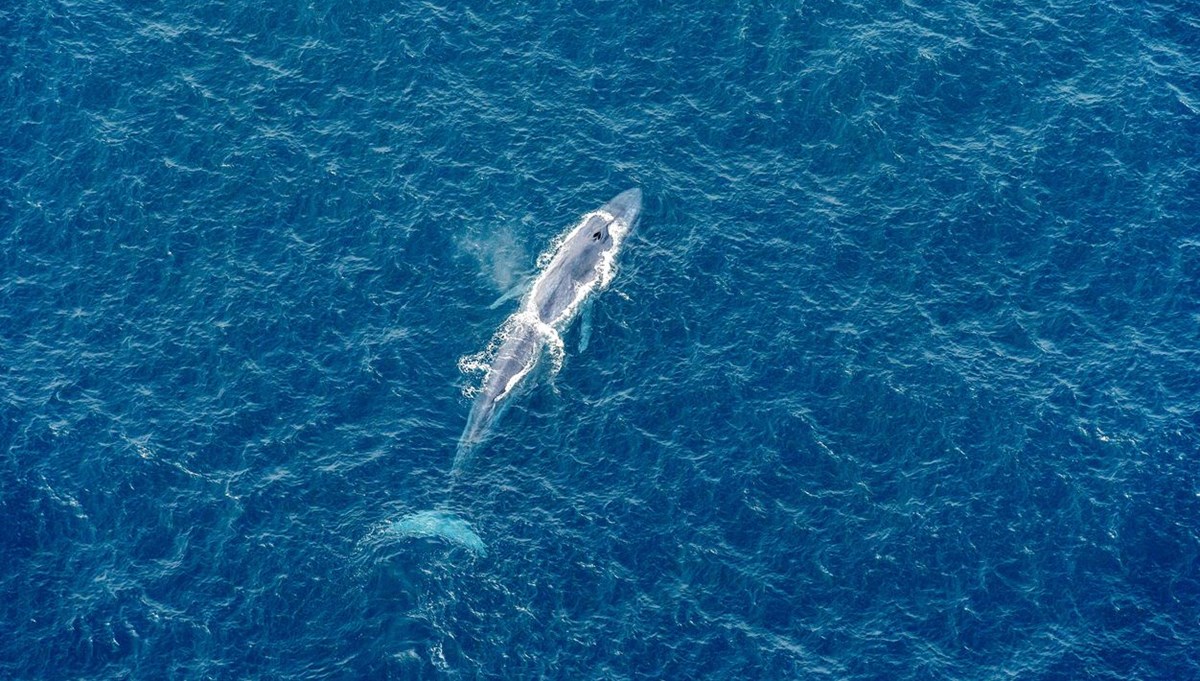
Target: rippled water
x=897 y=378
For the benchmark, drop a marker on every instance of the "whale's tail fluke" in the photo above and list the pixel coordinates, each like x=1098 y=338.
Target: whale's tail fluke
x=438 y=525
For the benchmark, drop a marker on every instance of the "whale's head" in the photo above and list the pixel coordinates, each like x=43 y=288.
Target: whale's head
x=604 y=231
x=625 y=207
x=583 y=260
x=599 y=235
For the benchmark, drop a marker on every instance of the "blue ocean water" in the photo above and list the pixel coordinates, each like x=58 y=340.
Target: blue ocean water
x=897 y=378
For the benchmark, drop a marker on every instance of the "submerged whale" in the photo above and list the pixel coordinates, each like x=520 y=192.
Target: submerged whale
x=439 y=524
x=580 y=266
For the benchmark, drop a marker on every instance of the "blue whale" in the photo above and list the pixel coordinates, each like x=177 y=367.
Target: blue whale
x=581 y=265
x=442 y=525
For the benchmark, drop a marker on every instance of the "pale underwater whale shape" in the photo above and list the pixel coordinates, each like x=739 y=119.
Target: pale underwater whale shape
x=442 y=525
x=582 y=265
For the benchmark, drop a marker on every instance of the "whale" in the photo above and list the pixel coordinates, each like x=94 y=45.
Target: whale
x=578 y=265
x=441 y=525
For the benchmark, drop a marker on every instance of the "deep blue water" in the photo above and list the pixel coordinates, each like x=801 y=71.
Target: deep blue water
x=898 y=378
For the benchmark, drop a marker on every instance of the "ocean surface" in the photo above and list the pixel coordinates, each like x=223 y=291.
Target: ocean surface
x=898 y=377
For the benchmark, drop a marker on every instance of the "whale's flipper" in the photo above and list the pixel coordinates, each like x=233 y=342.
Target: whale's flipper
x=519 y=289
x=585 y=326
x=439 y=525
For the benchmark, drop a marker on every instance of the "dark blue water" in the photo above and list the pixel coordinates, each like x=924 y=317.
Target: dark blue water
x=898 y=378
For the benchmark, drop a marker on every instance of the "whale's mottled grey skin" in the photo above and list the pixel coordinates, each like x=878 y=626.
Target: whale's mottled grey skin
x=548 y=308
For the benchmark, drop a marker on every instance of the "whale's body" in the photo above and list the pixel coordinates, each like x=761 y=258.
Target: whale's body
x=581 y=266
x=439 y=524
